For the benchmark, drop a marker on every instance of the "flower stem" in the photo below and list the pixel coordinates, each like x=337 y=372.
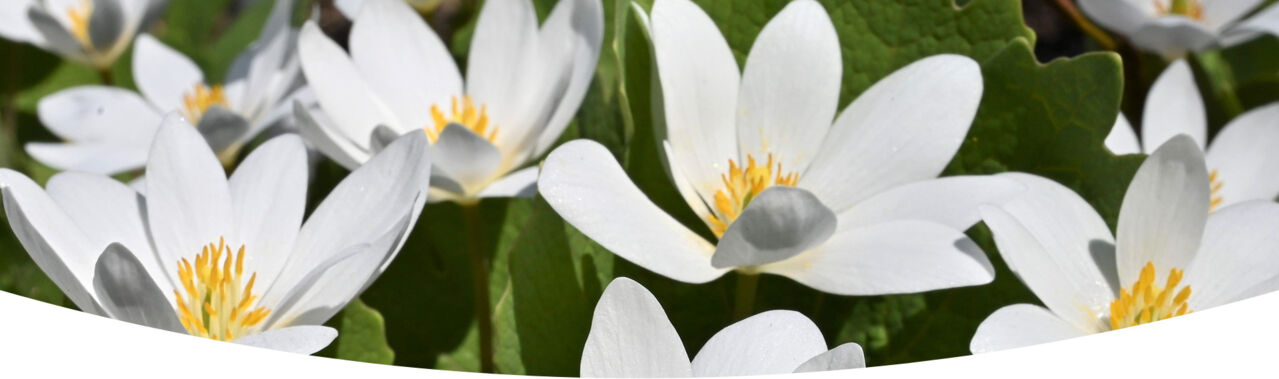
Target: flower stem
x=1068 y=7
x=745 y=300
x=108 y=78
x=479 y=276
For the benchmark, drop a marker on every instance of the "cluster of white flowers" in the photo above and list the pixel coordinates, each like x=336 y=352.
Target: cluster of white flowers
x=845 y=202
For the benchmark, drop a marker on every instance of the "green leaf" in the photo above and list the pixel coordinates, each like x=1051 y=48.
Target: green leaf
x=219 y=56
x=362 y=336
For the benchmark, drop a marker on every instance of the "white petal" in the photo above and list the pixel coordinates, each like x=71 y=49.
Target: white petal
x=315 y=126
x=99 y=114
x=497 y=68
x=890 y=258
x=1265 y=21
x=51 y=238
x=584 y=29
x=1057 y=245
x=305 y=339
x=1220 y=13
x=790 y=86
x=780 y=223
x=188 y=202
x=1173 y=36
x=89 y=157
x=951 y=201
x=129 y=294
x=586 y=186
x=268 y=196
x=404 y=61
x=631 y=337
x=905 y=128
x=162 y=74
x=522 y=183
x=107 y=212
x=1020 y=325
x=349 y=8
x=341 y=90
x=1164 y=211
x=1122 y=138
x=1123 y=16
x=465 y=157
x=846 y=356
x=699 y=81
x=1174 y=107
x=55 y=36
x=1245 y=154
x=14 y=24
x=773 y=342
x=1237 y=255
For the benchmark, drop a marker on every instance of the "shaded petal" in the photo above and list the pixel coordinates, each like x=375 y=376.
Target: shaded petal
x=1174 y=107
x=844 y=357
x=1265 y=21
x=303 y=339
x=905 y=128
x=55 y=36
x=1237 y=259
x=268 y=197
x=1220 y=13
x=1245 y=154
x=1164 y=211
x=773 y=342
x=465 y=157
x=99 y=113
x=890 y=258
x=790 y=86
x=1122 y=138
x=129 y=294
x=586 y=186
x=522 y=183
x=51 y=238
x=1020 y=325
x=318 y=130
x=188 y=202
x=951 y=201
x=780 y=223
x=89 y=157
x=631 y=337
x=1122 y=16
x=162 y=74
x=1173 y=36
x=403 y=60
x=699 y=80
x=339 y=87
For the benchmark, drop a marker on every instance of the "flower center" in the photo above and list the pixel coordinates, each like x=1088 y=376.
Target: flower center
x=743 y=185
x=468 y=116
x=216 y=305
x=1147 y=302
x=79 y=16
x=1215 y=193
x=1189 y=8
x=199 y=99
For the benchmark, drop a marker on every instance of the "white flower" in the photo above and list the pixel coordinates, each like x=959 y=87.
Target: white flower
x=1168 y=256
x=1241 y=160
x=631 y=337
x=218 y=258
x=351 y=8
x=93 y=32
x=108 y=130
x=523 y=85
x=853 y=208
x=1172 y=28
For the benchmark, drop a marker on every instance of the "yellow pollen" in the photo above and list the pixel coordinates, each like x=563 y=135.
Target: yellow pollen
x=743 y=185
x=79 y=15
x=1147 y=302
x=1189 y=8
x=1215 y=193
x=215 y=305
x=200 y=99
x=468 y=116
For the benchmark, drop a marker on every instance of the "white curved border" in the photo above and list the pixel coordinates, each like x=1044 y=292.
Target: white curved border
x=42 y=340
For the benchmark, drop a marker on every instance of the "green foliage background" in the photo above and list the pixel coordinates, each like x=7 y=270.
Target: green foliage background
x=545 y=276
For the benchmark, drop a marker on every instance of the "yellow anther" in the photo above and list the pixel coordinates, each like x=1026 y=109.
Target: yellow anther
x=1147 y=302
x=743 y=185
x=200 y=99
x=215 y=305
x=468 y=116
x=78 y=16
x=1215 y=193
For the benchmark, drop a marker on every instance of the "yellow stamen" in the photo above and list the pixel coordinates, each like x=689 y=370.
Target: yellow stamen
x=1147 y=302
x=79 y=16
x=468 y=116
x=200 y=99
x=215 y=305
x=742 y=186
x=1189 y=8
x=1215 y=193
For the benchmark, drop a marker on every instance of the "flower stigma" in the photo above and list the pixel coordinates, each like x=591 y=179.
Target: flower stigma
x=468 y=116
x=216 y=305
x=198 y=101
x=1146 y=302
x=743 y=185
